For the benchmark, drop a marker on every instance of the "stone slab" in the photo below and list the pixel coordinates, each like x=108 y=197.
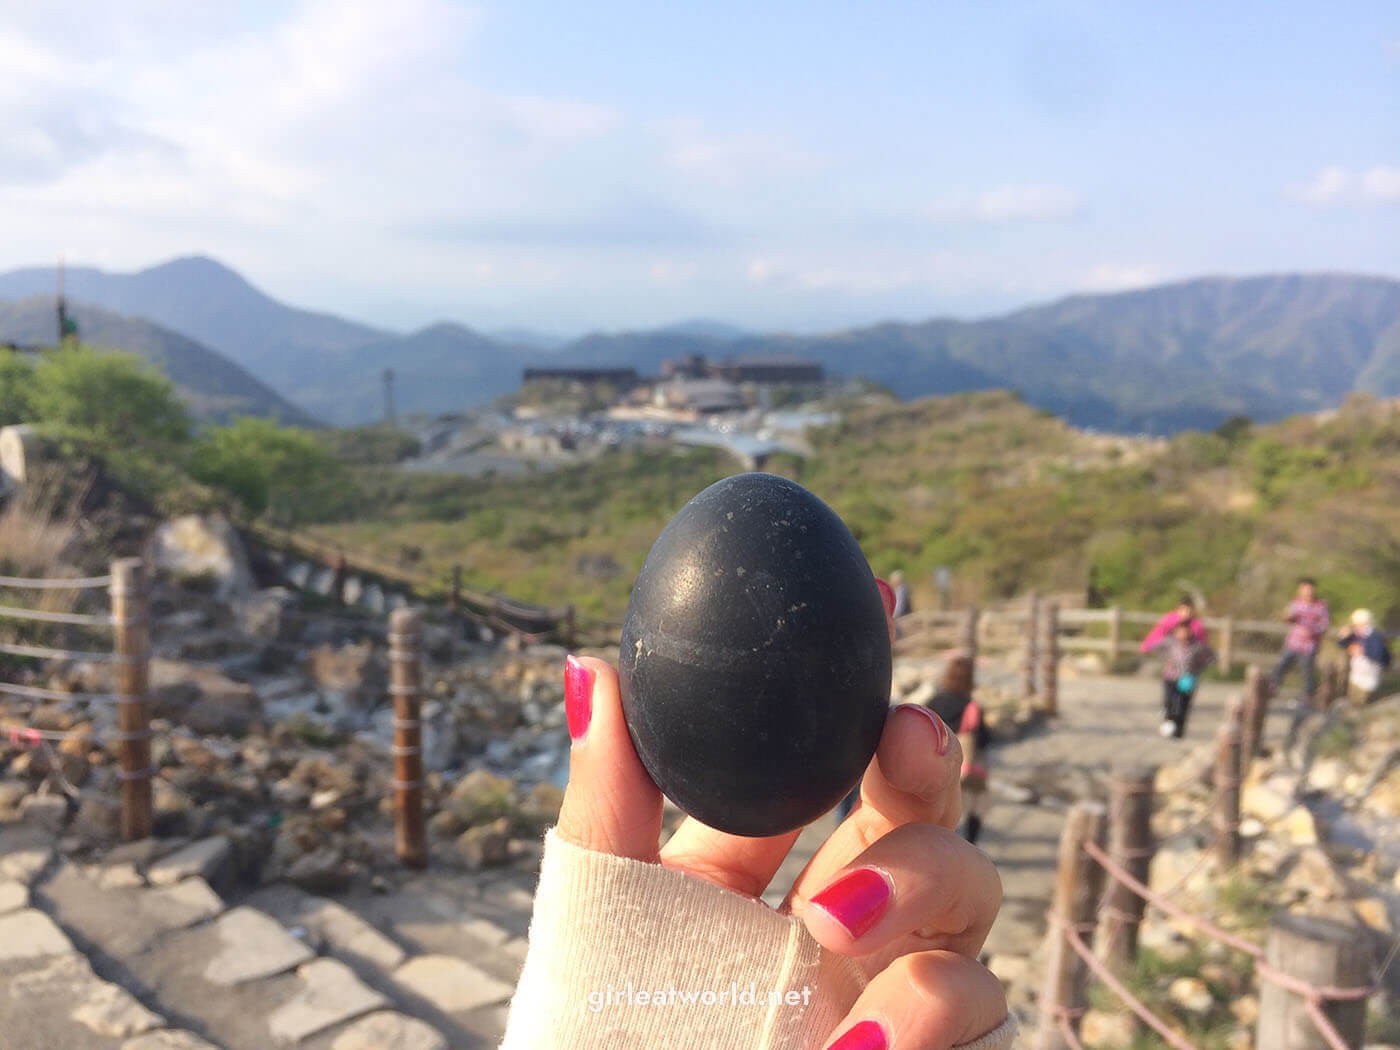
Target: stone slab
x=13 y=896
x=184 y=904
x=111 y=1010
x=345 y=934
x=330 y=995
x=207 y=859
x=26 y=865
x=30 y=934
x=68 y=984
x=387 y=1029
x=168 y=1039
x=451 y=985
x=253 y=946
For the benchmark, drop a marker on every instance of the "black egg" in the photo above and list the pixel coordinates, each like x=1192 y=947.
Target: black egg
x=755 y=659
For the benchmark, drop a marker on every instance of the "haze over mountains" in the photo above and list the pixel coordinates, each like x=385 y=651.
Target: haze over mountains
x=1160 y=359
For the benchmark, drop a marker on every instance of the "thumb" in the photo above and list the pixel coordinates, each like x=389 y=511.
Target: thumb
x=611 y=805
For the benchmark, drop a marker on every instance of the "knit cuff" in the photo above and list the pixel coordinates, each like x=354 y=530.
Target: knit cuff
x=625 y=954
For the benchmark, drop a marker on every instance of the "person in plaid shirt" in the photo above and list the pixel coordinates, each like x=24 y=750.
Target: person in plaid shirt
x=1310 y=620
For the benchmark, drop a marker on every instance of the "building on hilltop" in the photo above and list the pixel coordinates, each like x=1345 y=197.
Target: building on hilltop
x=702 y=397
x=621 y=378
x=770 y=369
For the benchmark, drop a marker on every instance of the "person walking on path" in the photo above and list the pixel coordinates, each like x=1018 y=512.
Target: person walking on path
x=1309 y=619
x=955 y=705
x=1369 y=656
x=1186 y=658
x=1185 y=612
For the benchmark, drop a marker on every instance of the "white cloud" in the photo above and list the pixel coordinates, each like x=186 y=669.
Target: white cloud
x=730 y=159
x=1007 y=204
x=1335 y=186
x=1120 y=277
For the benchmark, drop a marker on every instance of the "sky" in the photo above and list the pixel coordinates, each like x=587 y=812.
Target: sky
x=567 y=166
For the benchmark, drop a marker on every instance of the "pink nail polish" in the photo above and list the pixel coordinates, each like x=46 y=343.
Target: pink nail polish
x=886 y=595
x=856 y=900
x=940 y=728
x=864 y=1035
x=578 y=697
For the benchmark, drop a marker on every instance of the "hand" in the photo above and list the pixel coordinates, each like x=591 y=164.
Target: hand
x=893 y=887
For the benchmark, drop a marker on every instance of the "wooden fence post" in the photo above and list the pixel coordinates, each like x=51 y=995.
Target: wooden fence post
x=405 y=686
x=1227 y=644
x=969 y=631
x=1131 y=847
x=454 y=596
x=1078 y=881
x=1320 y=952
x=131 y=635
x=1227 y=788
x=1115 y=635
x=1028 y=668
x=1050 y=659
x=570 y=627
x=1256 y=705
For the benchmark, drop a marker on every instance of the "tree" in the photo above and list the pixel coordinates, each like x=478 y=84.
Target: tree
x=115 y=401
x=266 y=467
x=16 y=389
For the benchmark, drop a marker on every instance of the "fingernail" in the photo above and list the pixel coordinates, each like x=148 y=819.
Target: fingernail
x=578 y=697
x=940 y=728
x=864 y=1035
x=856 y=900
x=886 y=595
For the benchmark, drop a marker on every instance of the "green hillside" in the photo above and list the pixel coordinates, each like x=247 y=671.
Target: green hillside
x=1007 y=496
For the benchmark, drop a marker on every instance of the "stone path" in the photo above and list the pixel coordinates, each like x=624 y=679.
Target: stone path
x=143 y=952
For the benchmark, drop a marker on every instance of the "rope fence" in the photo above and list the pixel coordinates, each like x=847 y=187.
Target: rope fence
x=1315 y=976
x=130 y=655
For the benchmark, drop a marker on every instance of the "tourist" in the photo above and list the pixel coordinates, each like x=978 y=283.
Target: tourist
x=1186 y=658
x=632 y=945
x=954 y=704
x=1185 y=612
x=1308 y=619
x=1369 y=656
x=902 y=606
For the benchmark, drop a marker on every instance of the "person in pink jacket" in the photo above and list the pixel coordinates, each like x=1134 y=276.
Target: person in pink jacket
x=1185 y=612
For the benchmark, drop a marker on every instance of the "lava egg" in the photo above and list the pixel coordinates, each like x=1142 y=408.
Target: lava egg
x=755 y=659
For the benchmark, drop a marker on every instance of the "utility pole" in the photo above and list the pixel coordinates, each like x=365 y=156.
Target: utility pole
x=389 y=416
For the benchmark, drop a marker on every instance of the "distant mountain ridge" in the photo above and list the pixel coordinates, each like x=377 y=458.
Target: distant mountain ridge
x=214 y=387
x=1183 y=355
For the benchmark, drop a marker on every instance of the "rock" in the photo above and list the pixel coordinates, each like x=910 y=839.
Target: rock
x=323 y=870
x=330 y=994
x=486 y=845
x=184 y=904
x=49 y=812
x=1179 y=861
x=350 y=680
x=12 y=793
x=1109 y=1031
x=26 y=865
x=1375 y=913
x=450 y=984
x=1268 y=800
x=1297 y=826
x=202 y=699
x=266 y=615
x=13 y=896
x=252 y=946
x=480 y=797
x=541 y=806
x=168 y=1039
x=386 y=1029
x=1327 y=775
x=112 y=1011
x=98 y=820
x=1251 y=827
x=209 y=859
x=30 y=934
x=1313 y=873
x=203 y=550
x=1245 y=1010
x=1191 y=994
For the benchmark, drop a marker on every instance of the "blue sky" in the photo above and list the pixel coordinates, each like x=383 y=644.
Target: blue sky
x=569 y=166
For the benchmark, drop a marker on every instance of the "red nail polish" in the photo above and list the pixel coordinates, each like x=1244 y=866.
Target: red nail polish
x=864 y=1035
x=856 y=900
x=940 y=727
x=578 y=697
x=886 y=595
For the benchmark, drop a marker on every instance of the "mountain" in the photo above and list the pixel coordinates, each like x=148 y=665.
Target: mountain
x=214 y=387
x=527 y=337
x=211 y=304
x=441 y=369
x=1159 y=360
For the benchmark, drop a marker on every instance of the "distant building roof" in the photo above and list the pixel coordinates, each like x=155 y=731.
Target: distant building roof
x=623 y=376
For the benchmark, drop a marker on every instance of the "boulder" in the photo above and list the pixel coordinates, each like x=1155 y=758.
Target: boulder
x=486 y=845
x=1191 y=994
x=481 y=797
x=350 y=680
x=199 y=548
x=201 y=698
x=265 y=615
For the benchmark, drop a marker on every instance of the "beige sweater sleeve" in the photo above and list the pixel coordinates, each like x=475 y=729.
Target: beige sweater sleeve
x=631 y=956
